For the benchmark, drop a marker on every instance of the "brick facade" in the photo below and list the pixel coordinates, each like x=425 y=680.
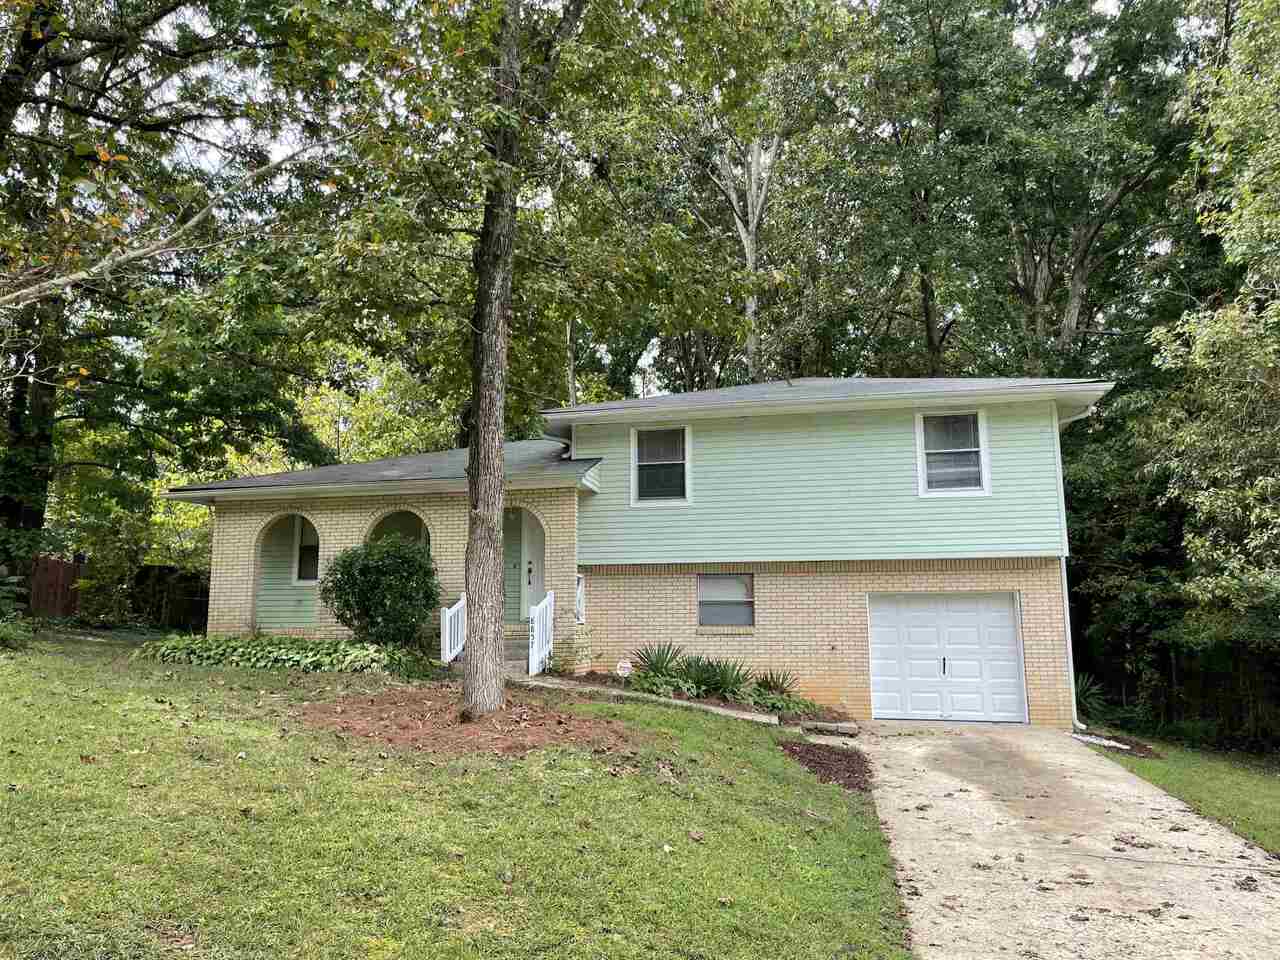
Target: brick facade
x=341 y=522
x=812 y=619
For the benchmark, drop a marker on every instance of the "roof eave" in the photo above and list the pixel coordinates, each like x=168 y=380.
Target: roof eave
x=1066 y=395
x=315 y=491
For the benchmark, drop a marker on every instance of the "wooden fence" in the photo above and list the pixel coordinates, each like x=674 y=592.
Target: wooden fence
x=53 y=587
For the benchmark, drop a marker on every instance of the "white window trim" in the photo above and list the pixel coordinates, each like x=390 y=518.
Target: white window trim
x=984 y=455
x=688 y=468
x=297 y=558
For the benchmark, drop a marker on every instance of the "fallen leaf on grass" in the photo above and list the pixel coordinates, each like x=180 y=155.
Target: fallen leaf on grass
x=696 y=836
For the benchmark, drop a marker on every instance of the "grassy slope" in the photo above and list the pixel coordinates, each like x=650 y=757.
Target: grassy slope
x=312 y=846
x=1240 y=792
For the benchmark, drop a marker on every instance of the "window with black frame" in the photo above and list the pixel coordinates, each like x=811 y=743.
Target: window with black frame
x=307 y=560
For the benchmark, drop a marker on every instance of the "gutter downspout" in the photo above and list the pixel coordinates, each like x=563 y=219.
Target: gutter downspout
x=1066 y=604
x=1071 y=663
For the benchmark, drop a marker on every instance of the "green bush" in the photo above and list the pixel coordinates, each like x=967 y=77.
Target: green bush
x=268 y=652
x=785 y=703
x=658 y=659
x=662 y=686
x=385 y=592
x=15 y=629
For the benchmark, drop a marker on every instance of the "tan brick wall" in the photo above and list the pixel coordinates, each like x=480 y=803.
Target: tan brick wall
x=812 y=619
x=342 y=522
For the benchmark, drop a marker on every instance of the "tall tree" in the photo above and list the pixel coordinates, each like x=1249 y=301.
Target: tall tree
x=119 y=124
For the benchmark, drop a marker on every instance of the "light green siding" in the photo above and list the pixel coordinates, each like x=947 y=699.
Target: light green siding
x=280 y=602
x=838 y=486
x=511 y=533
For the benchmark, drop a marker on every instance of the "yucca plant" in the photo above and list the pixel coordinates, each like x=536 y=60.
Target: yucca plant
x=717 y=678
x=699 y=672
x=658 y=659
x=1091 y=699
x=781 y=682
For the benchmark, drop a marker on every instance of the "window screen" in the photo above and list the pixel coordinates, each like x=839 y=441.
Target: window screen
x=952 y=452
x=726 y=600
x=660 y=464
x=308 y=550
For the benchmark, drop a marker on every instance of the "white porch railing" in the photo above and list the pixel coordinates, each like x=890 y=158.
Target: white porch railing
x=453 y=629
x=541 y=627
x=580 y=600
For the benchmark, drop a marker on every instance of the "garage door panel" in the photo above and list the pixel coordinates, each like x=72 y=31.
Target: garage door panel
x=1007 y=705
x=925 y=702
x=966 y=704
x=924 y=669
x=960 y=637
x=960 y=605
x=976 y=633
x=1004 y=670
x=887 y=703
x=963 y=668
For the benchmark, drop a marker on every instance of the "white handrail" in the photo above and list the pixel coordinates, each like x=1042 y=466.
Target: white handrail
x=541 y=627
x=453 y=630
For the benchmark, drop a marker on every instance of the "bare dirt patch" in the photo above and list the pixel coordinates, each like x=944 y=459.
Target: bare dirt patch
x=843 y=765
x=428 y=718
x=1136 y=747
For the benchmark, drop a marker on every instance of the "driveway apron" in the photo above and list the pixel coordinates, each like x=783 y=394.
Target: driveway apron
x=1014 y=841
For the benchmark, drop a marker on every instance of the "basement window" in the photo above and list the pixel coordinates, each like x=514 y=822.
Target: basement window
x=726 y=600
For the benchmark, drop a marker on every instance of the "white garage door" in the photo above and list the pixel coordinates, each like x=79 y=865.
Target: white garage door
x=946 y=656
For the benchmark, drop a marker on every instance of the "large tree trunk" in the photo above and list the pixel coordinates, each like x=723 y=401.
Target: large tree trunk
x=26 y=463
x=494 y=258
x=934 y=334
x=26 y=41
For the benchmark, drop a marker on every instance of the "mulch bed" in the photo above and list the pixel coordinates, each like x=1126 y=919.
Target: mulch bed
x=429 y=718
x=824 y=714
x=1136 y=747
x=843 y=765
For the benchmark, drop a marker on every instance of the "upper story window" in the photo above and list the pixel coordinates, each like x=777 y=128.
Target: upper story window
x=306 y=553
x=953 y=454
x=660 y=465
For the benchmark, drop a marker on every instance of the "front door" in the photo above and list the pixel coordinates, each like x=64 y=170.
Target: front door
x=534 y=547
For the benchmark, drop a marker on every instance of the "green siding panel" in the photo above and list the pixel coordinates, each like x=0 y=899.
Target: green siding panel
x=511 y=534
x=839 y=486
x=280 y=602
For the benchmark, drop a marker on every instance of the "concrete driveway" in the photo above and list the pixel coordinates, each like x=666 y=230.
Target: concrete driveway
x=1020 y=842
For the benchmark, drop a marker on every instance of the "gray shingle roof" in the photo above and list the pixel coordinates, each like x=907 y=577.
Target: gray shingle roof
x=824 y=388
x=537 y=461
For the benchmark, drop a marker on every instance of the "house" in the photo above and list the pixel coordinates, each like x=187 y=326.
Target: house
x=897 y=544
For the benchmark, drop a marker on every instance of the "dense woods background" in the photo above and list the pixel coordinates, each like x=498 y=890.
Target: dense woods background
x=237 y=236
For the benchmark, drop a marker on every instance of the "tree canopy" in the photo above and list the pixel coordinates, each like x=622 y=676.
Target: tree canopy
x=239 y=236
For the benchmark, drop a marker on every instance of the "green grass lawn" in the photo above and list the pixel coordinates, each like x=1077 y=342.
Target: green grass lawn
x=1241 y=792
x=131 y=828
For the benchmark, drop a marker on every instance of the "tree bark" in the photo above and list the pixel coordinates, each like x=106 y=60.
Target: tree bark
x=493 y=259
x=29 y=38
x=934 y=334
x=27 y=461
